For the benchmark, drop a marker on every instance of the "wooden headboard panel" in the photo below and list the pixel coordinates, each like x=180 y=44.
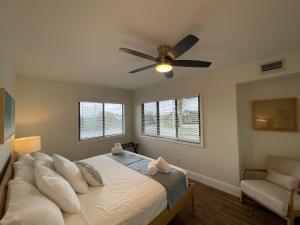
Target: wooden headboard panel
x=7 y=176
x=6 y=172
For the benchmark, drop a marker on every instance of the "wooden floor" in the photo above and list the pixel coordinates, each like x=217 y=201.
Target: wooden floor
x=214 y=207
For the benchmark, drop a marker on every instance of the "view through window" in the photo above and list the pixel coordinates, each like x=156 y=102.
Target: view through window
x=97 y=120
x=178 y=119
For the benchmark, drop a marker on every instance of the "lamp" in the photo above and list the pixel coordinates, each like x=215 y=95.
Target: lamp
x=27 y=144
x=164 y=67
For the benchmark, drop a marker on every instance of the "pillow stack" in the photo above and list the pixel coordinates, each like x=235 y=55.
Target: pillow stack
x=20 y=195
x=56 y=188
x=71 y=173
x=50 y=182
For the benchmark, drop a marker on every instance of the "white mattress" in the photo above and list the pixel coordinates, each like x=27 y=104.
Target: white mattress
x=128 y=197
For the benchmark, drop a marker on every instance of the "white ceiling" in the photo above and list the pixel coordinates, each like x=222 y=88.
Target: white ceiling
x=78 y=40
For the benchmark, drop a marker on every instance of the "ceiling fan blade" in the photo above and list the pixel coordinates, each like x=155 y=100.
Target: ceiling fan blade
x=190 y=63
x=139 y=54
x=143 y=68
x=182 y=46
x=169 y=75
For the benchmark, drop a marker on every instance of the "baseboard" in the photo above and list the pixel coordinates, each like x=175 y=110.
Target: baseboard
x=220 y=185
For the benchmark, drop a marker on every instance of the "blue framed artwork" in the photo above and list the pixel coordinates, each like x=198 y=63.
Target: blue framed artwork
x=7 y=115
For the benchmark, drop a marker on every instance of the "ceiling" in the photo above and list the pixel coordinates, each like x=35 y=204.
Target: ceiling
x=78 y=40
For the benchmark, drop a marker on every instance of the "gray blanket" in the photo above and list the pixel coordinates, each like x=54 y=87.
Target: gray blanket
x=174 y=182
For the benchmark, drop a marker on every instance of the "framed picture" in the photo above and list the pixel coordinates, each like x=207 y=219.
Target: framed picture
x=7 y=116
x=275 y=114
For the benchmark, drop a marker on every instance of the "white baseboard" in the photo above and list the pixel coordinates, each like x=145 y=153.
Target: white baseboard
x=220 y=185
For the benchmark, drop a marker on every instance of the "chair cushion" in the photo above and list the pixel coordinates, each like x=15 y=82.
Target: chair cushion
x=282 y=180
x=284 y=165
x=269 y=195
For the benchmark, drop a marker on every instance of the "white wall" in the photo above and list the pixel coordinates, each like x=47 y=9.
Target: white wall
x=49 y=109
x=255 y=145
x=7 y=76
x=219 y=159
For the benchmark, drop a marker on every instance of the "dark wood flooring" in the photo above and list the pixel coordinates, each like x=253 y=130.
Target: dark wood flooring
x=214 y=207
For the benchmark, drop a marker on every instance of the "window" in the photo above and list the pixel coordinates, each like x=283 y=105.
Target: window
x=178 y=119
x=113 y=119
x=167 y=119
x=97 y=120
x=150 y=118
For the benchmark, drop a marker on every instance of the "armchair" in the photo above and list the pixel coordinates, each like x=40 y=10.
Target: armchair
x=284 y=202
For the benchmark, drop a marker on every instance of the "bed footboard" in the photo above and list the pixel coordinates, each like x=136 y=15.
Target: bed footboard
x=168 y=214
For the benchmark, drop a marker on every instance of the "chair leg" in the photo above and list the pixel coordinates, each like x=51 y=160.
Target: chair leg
x=242 y=198
x=290 y=220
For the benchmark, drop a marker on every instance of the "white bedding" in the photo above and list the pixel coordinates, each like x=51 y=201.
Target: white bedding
x=128 y=197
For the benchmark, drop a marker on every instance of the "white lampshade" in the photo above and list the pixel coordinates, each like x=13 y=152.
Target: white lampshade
x=27 y=144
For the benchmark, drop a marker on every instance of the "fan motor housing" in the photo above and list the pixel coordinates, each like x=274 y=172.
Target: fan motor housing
x=163 y=50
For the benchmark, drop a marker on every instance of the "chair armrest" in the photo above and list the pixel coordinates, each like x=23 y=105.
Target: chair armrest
x=291 y=198
x=244 y=171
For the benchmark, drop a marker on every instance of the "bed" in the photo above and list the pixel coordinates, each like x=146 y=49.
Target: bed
x=127 y=198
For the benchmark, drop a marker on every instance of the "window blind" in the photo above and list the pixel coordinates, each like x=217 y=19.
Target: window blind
x=149 y=118
x=113 y=119
x=96 y=119
x=90 y=120
x=167 y=119
x=188 y=119
x=178 y=119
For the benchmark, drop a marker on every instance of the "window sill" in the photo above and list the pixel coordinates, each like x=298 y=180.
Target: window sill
x=198 y=145
x=100 y=139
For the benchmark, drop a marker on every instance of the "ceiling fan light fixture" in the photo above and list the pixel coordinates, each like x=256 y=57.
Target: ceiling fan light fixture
x=164 y=67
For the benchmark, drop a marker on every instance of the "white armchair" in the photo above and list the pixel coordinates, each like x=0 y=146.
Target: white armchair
x=282 y=201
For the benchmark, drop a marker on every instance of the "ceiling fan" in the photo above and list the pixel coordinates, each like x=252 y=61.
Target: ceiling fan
x=167 y=57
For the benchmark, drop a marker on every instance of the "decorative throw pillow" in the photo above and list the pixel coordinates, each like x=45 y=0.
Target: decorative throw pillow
x=91 y=175
x=23 y=172
x=71 y=173
x=282 y=180
x=43 y=159
x=26 y=205
x=56 y=188
x=26 y=159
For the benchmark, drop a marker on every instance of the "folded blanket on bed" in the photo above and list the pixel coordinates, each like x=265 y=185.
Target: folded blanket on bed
x=162 y=165
x=152 y=168
x=117 y=149
x=174 y=182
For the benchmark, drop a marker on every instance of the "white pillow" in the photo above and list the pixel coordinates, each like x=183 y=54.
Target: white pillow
x=23 y=172
x=26 y=205
x=282 y=180
x=71 y=173
x=26 y=159
x=56 y=188
x=43 y=159
x=162 y=165
x=90 y=174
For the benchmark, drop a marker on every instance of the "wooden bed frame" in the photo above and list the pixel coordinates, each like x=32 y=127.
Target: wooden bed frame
x=163 y=219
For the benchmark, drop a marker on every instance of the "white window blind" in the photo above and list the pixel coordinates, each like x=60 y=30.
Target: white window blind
x=113 y=119
x=149 y=118
x=188 y=119
x=96 y=119
x=178 y=119
x=90 y=120
x=167 y=119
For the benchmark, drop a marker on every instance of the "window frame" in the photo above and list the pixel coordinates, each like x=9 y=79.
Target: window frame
x=176 y=139
x=103 y=137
